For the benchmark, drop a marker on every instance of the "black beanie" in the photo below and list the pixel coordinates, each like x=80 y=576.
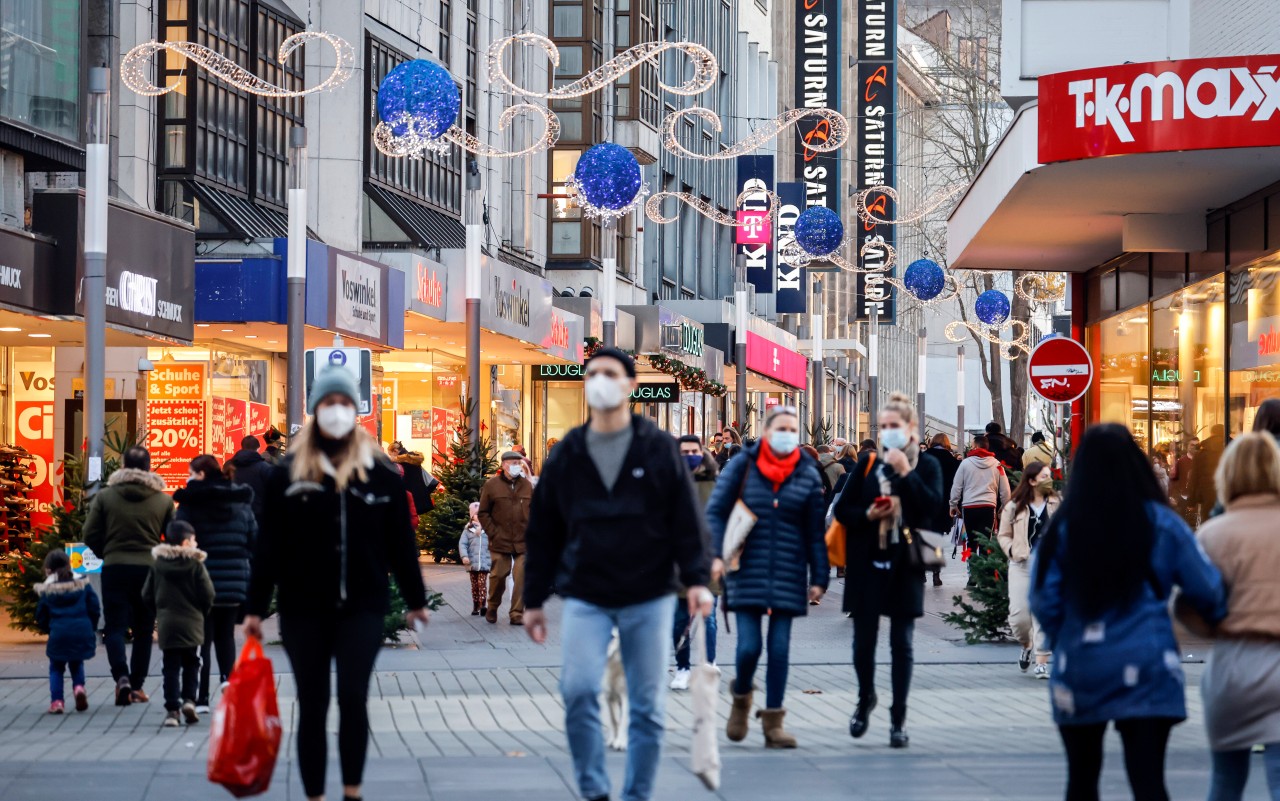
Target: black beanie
x=628 y=363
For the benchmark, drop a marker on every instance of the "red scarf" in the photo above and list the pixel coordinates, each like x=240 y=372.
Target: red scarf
x=776 y=468
x=981 y=452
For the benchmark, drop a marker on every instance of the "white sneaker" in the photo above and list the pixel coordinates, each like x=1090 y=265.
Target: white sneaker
x=202 y=709
x=681 y=680
x=1041 y=671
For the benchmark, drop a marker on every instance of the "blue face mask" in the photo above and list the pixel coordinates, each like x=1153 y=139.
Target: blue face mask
x=694 y=460
x=894 y=438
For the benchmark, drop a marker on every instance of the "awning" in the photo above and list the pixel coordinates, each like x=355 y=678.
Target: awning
x=424 y=225
x=244 y=218
x=1071 y=216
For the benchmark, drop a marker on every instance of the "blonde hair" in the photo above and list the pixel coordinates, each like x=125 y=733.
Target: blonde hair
x=1251 y=466
x=900 y=404
x=352 y=460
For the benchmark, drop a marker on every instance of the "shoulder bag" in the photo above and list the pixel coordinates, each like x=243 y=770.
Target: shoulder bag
x=738 y=526
x=836 y=536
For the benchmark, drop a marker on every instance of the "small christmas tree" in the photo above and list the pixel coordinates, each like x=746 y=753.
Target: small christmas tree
x=462 y=473
x=987 y=617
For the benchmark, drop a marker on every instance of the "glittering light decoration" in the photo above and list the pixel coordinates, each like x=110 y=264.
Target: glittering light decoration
x=1010 y=349
x=819 y=230
x=794 y=254
x=924 y=279
x=992 y=307
x=134 y=66
x=419 y=101
x=413 y=147
x=705 y=68
x=607 y=181
x=653 y=207
x=1041 y=287
x=930 y=204
x=762 y=135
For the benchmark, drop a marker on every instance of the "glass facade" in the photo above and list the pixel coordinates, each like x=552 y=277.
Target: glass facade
x=40 y=65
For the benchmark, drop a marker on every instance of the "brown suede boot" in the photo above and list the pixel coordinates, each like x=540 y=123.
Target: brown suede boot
x=774 y=735
x=739 y=717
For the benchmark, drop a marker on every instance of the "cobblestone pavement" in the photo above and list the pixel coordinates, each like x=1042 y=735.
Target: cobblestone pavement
x=476 y=711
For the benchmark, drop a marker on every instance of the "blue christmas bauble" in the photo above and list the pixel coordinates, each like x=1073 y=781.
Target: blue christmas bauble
x=992 y=307
x=420 y=98
x=608 y=177
x=924 y=279
x=819 y=231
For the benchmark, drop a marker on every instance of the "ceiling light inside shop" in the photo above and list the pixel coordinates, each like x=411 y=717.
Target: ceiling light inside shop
x=10 y=329
x=250 y=336
x=202 y=325
x=1139 y=320
x=228 y=330
x=273 y=341
x=40 y=336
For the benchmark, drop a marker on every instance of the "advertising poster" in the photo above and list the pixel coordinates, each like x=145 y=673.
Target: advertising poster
x=235 y=424
x=33 y=431
x=217 y=427
x=419 y=424
x=176 y=416
x=259 y=421
x=439 y=435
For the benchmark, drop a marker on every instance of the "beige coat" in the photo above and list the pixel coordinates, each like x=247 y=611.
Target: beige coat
x=1243 y=543
x=1013 y=530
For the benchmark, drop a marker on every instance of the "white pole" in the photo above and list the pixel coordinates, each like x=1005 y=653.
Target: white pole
x=296 y=278
x=97 y=163
x=960 y=439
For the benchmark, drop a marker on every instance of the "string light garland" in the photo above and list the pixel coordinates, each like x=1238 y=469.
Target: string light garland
x=705 y=68
x=411 y=146
x=134 y=67
x=1041 y=287
x=1010 y=349
x=608 y=182
x=653 y=207
x=930 y=205
x=767 y=131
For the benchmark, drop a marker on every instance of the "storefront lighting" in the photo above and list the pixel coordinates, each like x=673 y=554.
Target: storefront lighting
x=10 y=330
x=768 y=130
x=40 y=336
x=250 y=336
x=228 y=330
x=202 y=325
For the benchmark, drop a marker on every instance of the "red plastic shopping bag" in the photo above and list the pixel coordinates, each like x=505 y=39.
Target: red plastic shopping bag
x=245 y=736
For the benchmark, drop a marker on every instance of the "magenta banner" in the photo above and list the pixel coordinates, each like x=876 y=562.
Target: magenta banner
x=776 y=362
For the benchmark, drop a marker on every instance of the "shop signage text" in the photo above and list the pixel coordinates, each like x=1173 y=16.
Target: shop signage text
x=176 y=410
x=876 y=133
x=511 y=304
x=33 y=400
x=684 y=338
x=559 y=337
x=557 y=372
x=1172 y=376
x=817 y=54
x=1160 y=106
x=358 y=305
x=1269 y=343
x=792 y=279
x=755 y=181
x=430 y=287
x=656 y=393
x=776 y=362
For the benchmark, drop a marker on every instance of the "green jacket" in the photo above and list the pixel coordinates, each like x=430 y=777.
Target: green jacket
x=125 y=520
x=181 y=593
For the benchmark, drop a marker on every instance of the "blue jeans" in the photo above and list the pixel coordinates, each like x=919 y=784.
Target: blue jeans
x=682 y=623
x=750 y=645
x=644 y=635
x=56 y=671
x=1231 y=773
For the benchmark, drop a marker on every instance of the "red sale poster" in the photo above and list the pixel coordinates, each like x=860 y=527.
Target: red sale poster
x=217 y=429
x=259 y=421
x=176 y=419
x=439 y=435
x=235 y=424
x=33 y=416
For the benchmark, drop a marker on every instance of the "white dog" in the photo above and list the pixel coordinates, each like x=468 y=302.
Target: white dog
x=615 y=696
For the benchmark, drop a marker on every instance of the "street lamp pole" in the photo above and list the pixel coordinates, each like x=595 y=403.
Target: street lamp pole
x=97 y=164
x=960 y=439
x=740 y=337
x=818 y=323
x=475 y=221
x=922 y=370
x=609 y=281
x=873 y=374
x=296 y=269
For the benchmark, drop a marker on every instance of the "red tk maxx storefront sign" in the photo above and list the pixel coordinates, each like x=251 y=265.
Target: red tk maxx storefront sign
x=1160 y=106
x=776 y=362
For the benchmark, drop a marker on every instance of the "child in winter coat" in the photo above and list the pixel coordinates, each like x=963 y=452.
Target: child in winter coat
x=68 y=612
x=181 y=593
x=473 y=545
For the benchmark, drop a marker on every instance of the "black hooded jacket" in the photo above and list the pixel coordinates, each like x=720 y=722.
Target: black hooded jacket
x=252 y=470
x=222 y=515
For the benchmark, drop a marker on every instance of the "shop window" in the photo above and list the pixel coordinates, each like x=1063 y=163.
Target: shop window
x=1255 y=340
x=40 y=62
x=446 y=24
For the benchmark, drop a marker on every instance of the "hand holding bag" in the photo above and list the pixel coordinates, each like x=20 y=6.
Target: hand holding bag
x=704 y=695
x=244 y=738
x=836 y=537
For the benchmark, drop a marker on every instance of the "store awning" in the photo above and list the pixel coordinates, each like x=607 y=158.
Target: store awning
x=246 y=219
x=1020 y=214
x=427 y=227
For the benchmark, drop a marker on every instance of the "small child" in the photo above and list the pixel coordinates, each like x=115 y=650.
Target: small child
x=181 y=593
x=474 y=547
x=68 y=612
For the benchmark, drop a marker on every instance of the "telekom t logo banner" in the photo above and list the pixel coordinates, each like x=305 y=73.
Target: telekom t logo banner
x=754 y=228
x=1194 y=104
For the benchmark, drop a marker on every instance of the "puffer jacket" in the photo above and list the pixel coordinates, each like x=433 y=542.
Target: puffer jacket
x=252 y=471
x=222 y=515
x=1014 y=526
x=416 y=480
x=68 y=612
x=980 y=481
x=180 y=592
x=786 y=552
x=1125 y=663
x=474 y=545
x=125 y=520
x=504 y=512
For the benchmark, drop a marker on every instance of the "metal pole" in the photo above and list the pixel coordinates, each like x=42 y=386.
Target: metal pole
x=873 y=374
x=818 y=324
x=922 y=348
x=609 y=281
x=475 y=222
x=960 y=439
x=297 y=279
x=97 y=167
x=740 y=337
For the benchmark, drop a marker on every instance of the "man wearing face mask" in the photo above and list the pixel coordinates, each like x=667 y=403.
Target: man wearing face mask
x=504 y=514
x=616 y=527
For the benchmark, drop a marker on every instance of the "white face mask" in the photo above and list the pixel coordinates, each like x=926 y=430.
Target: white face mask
x=337 y=420
x=894 y=438
x=515 y=470
x=784 y=442
x=604 y=393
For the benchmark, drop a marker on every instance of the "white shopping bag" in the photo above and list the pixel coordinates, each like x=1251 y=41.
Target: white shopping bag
x=704 y=696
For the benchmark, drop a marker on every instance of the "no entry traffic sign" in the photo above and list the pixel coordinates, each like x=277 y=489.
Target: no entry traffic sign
x=1060 y=370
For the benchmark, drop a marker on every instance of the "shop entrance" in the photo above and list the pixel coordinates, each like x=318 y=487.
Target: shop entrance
x=119 y=422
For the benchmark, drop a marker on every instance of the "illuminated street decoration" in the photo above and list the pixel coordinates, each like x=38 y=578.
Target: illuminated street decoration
x=765 y=133
x=653 y=208
x=607 y=182
x=705 y=68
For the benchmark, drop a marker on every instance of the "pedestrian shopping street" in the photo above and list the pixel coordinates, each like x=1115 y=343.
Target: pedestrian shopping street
x=476 y=713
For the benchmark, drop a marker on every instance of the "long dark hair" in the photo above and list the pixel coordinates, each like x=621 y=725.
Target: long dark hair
x=1268 y=417
x=208 y=464
x=1106 y=557
x=57 y=563
x=1023 y=493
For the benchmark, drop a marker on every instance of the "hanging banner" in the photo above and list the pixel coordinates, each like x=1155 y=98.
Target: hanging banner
x=439 y=435
x=235 y=424
x=175 y=419
x=876 y=150
x=817 y=61
x=259 y=421
x=792 y=280
x=33 y=432
x=755 y=178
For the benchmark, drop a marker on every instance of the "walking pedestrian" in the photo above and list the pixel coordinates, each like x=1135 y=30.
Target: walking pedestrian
x=1101 y=580
x=473 y=546
x=1241 y=682
x=980 y=488
x=1022 y=526
x=1040 y=451
x=702 y=466
x=732 y=446
x=897 y=492
x=68 y=612
x=940 y=451
x=831 y=470
x=781 y=569
x=221 y=512
x=504 y=515
x=1008 y=452
x=251 y=470
x=337 y=522
x=417 y=480
x=181 y=593
x=615 y=526
x=123 y=524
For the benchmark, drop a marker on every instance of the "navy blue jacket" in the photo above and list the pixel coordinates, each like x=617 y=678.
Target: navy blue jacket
x=68 y=612
x=226 y=528
x=786 y=552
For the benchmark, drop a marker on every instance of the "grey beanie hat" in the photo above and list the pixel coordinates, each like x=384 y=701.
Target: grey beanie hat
x=329 y=380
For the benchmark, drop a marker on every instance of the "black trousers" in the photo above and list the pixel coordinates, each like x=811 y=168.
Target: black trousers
x=1145 y=741
x=219 y=637
x=122 y=610
x=352 y=640
x=866 y=628
x=978 y=519
x=181 y=676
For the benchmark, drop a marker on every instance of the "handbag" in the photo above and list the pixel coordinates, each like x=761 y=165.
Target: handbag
x=704 y=695
x=836 y=537
x=924 y=548
x=246 y=732
x=737 y=527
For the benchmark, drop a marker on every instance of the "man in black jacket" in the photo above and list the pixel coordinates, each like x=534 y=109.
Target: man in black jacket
x=615 y=523
x=252 y=471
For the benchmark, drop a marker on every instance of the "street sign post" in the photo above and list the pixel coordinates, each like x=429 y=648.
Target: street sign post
x=1060 y=370
x=359 y=361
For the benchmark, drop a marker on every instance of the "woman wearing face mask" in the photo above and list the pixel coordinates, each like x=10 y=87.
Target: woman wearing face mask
x=336 y=522
x=890 y=493
x=1023 y=523
x=782 y=567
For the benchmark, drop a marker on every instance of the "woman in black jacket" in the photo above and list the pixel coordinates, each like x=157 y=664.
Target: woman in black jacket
x=222 y=515
x=896 y=493
x=783 y=565
x=336 y=523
